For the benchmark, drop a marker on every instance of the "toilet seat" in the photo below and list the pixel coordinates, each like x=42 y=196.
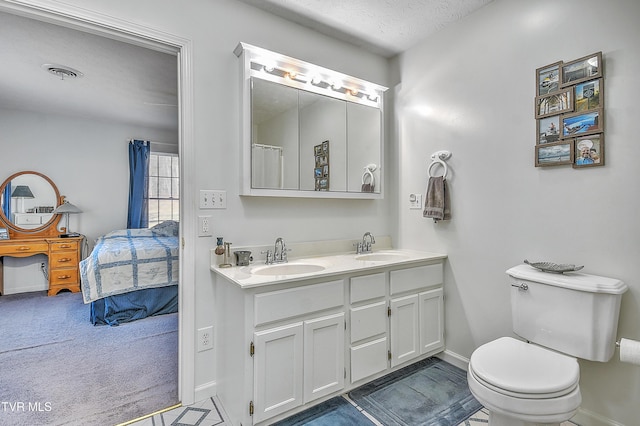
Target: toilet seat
x=525 y=381
x=524 y=370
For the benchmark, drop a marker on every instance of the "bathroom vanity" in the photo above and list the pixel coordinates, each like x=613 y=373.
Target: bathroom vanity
x=293 y=334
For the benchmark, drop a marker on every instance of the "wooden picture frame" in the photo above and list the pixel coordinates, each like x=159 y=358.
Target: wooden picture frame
x=589 y=95
x=586 y=68
x=548 y=130
x=548 y=78
x=554 y=103
x=555 y=154
x=589 y=151
x=582 y=123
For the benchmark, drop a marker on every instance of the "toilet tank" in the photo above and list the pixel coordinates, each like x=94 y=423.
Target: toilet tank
x=573 y=313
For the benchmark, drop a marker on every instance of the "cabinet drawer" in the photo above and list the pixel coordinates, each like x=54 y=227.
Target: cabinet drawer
x=368 y=359
x=282 y=304
x=23 y=249
x=367 y=287
x=411 y=279
x=368 y=321
x=61 y=259
x=64 y=246
x=63 y=276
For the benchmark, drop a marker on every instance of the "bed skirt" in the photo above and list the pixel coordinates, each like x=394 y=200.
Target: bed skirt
x=120 y=308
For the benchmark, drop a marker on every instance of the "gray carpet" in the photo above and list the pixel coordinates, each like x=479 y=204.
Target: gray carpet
x=58 y=369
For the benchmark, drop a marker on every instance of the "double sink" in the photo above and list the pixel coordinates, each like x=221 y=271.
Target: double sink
x=315 y=265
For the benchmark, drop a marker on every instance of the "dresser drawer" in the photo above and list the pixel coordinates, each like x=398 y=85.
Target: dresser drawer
x=23 y=248
x=61 y=277
x=64 y=245
x=62 y=259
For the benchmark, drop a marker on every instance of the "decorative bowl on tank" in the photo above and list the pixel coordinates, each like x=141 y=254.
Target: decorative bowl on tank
x=556 y=268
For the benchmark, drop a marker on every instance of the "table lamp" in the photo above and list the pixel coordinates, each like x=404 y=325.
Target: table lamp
x=21 y=192
x=66 y=209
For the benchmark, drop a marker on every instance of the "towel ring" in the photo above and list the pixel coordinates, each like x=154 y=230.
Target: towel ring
x=369 y=173
x=440 y=162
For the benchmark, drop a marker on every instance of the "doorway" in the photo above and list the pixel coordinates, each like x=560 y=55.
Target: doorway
x=109 y=27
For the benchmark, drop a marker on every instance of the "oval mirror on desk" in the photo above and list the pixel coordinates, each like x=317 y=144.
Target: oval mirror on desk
x=26 y=202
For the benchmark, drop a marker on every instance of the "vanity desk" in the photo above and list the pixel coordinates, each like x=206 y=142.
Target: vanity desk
x=64 y=254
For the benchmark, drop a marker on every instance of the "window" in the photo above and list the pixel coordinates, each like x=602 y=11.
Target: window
x=164 y=188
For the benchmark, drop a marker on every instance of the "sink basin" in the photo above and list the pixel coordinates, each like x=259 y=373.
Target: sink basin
x=381 y=257
x=287 y=269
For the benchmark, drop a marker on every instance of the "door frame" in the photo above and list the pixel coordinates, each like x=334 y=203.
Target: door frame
x=118 y=29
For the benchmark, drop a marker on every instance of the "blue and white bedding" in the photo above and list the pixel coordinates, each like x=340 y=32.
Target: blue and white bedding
x=128 y=260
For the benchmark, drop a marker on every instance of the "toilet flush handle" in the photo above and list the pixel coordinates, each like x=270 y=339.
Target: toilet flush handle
x=521 y=286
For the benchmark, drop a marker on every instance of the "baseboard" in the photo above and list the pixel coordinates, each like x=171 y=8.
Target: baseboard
x=453 y=359
x=589 y=418
x=206 y=391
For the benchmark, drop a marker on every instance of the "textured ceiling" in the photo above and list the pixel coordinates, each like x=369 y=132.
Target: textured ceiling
x=131 y=84
x=385 y=27
x=120 y=83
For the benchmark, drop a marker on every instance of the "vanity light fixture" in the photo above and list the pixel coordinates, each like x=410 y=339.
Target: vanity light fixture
x=278 y=68
x=66 y=209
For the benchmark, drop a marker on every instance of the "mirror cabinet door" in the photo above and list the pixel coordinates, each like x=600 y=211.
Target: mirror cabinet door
x=323 y=143
x=364 y=148
x=274 y=136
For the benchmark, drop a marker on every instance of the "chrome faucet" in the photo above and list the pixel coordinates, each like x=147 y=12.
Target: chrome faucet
x=365 y=245
x=280 y=251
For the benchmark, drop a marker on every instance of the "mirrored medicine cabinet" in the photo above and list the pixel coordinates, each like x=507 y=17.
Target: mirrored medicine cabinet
x=308 y=131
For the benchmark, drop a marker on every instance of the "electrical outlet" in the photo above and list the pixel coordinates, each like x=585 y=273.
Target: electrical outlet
x=205 y=338
x=213 y=199
x=204 y=226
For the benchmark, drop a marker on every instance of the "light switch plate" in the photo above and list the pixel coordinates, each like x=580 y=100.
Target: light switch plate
x=415 y=201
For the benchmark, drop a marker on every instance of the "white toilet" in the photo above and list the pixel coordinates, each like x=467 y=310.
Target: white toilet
x=562 y=317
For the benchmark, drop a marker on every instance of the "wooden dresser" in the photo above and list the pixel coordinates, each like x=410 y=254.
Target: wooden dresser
x=64 y=257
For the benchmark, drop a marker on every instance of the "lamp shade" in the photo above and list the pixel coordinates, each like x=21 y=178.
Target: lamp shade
x=22 y=191
x=66 y=207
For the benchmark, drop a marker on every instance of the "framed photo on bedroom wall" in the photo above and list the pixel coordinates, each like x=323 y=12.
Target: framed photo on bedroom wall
x=554 y=154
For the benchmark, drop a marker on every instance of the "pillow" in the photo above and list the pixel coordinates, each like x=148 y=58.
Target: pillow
x=168 y=228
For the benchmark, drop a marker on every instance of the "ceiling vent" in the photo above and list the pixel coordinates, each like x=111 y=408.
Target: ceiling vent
x=62 y=71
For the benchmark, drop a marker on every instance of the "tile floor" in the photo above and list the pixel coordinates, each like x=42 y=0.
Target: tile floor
x=211 y=413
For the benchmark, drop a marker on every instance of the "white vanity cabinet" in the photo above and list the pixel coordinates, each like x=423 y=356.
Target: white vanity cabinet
x=284 y=346
x=296 y=364
x=416 y=313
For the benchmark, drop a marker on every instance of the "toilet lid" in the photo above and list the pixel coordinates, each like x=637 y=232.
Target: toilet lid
x=523 y=368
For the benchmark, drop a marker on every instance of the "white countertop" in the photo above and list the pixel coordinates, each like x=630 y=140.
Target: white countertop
x=338 y=264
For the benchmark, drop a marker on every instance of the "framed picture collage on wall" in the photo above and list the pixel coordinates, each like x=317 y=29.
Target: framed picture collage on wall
x=569 y=113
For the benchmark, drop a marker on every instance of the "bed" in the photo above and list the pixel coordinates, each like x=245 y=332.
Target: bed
x=132 y=274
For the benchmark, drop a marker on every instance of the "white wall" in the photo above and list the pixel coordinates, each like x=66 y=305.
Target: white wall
x=86 y=159
x=470 y=89
x=215 y=28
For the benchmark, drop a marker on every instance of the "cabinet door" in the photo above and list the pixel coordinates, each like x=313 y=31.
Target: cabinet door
x=405 y=329
x=277 y=371
x=323 y=356
x=431 y=321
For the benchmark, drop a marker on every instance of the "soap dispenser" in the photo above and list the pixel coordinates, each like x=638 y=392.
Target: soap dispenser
x=219 y=246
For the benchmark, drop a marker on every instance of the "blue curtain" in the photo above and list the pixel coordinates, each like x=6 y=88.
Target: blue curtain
x=6 y=198
x=138 y=183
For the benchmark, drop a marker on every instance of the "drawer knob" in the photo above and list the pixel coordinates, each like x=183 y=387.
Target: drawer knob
x=64 y=259
x=65 y=246
x=24 y=248
x=64 y=277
